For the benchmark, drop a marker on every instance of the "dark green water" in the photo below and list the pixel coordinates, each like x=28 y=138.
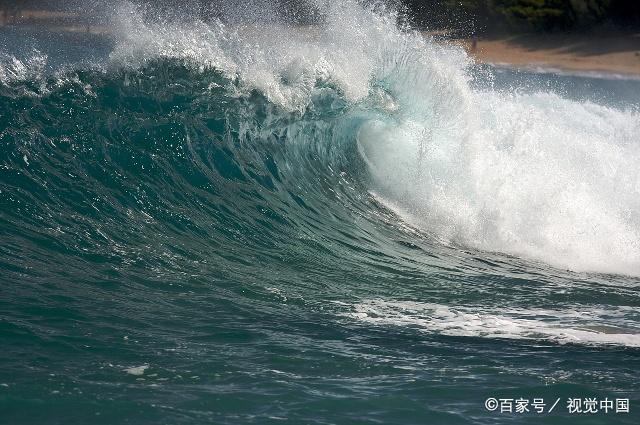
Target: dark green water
x=180 y=245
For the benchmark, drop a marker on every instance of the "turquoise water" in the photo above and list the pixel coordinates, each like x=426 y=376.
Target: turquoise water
x=206 y=223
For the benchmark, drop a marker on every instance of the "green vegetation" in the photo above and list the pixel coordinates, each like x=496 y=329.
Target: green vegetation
x=542 y=15
x=548 y=14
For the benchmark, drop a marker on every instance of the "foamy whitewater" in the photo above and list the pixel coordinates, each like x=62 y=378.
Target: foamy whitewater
x=257 y=219
x=583 y=326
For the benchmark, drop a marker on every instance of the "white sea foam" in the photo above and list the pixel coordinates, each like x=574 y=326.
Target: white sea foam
x=137 y=370
x=588 y=326
x=532 y=175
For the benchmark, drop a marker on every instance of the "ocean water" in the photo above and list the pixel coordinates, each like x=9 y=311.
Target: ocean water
x=246 y=222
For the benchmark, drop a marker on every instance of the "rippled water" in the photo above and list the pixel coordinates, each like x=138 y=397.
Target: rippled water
x=212 y=223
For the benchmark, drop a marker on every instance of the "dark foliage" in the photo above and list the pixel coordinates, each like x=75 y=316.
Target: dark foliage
x=545 y=15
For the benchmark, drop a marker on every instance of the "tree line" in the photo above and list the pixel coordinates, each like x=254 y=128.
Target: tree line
x=524 y=15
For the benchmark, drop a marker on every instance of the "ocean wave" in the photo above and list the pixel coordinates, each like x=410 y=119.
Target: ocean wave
x=356 y=101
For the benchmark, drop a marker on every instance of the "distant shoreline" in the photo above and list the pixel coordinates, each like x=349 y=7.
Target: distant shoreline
x=608 y=53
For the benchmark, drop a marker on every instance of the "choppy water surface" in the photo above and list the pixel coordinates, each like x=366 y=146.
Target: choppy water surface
x=223 y=223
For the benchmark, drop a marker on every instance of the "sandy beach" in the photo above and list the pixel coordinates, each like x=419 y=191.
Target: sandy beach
x=612 y=52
